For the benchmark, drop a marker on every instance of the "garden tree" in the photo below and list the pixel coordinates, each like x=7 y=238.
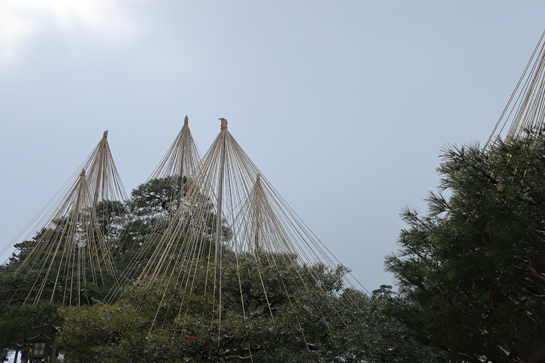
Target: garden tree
x=390 y=340
x=22 y=319
x=153 y=201
x=16 y=284
x=158 y=196
x=319 y=324
x=20 y=278
x=150 y=209
x=33 y=286
x=111 y=216
x=20 y=323
x=471 y=271
x=305 y=325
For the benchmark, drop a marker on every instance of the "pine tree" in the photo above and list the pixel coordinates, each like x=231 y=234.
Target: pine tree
x=471 y=272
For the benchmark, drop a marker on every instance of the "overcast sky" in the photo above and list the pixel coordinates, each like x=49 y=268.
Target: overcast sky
x=343 y=105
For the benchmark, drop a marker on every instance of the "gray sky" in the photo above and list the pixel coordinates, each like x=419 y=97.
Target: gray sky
x=343 y=105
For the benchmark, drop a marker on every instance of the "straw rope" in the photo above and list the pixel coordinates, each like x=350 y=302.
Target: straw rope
x=230 y=211
x=70 y=248
x=524 y=114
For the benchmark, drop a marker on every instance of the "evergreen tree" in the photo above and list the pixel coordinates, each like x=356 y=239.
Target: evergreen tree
x=471 y=272
x=304 y=325
x=125 y=226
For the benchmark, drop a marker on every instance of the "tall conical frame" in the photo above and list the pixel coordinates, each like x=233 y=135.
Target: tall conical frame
x=69 y=250
x=175 y=171
x=230 y=214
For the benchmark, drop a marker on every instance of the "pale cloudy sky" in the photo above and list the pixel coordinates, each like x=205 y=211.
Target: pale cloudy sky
x=343 y=105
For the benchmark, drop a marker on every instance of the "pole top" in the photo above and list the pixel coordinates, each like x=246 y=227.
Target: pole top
x=186 y=120
x=83 y=170
x=223 y=123
x=105 y=135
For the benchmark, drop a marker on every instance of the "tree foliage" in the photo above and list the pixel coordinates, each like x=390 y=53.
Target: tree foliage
x=323 y=323
x=306 y=315
x=287 y=323
x=471 y=271
x=152 y=205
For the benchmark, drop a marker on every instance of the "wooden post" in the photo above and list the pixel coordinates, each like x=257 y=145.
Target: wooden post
x=53 y=350
x=257 y=214
x=220 y=189
x=76 y=213
x=181 y=184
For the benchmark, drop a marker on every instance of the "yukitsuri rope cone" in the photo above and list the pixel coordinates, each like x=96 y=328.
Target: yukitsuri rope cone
x=181 y=159
x=232 y=229
x=67 y=253
x=524 y=114
x=158 y=197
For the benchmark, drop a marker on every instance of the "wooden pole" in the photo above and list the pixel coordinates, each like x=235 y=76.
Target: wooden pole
x=76 y=213
x=220 y=189
x=257 y=214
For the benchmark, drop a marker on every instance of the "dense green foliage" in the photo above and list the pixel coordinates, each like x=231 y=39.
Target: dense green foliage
x=471 y=276
x=29 y=308
x=325 y=323
x=126 y=331
x=471 y=272
x=21 y=317
x=149 y=211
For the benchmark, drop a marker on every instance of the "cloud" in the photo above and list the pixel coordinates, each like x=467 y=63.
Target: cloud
x=20 y=20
